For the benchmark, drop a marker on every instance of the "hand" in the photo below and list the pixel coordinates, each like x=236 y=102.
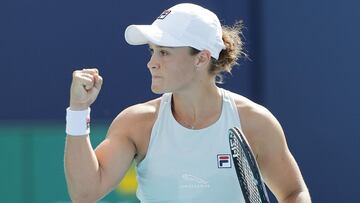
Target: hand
x=85 y=87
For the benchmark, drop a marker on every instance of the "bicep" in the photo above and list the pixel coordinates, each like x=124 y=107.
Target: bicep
x=115 y=155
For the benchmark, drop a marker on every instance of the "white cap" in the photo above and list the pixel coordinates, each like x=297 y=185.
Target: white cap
x=182 y=25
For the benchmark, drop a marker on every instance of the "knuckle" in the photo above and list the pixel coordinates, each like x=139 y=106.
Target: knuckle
x=76 y=73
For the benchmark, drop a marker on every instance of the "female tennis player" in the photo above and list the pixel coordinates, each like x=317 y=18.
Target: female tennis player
x=179 y=141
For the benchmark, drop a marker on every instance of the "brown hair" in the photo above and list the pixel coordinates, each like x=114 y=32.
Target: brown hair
x=228 y=57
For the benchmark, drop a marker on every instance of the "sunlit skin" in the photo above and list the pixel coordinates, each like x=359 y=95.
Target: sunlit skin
x=171 y=68
x=175 y=70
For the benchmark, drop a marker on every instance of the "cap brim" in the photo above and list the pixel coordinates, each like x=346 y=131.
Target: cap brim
x=143 y=34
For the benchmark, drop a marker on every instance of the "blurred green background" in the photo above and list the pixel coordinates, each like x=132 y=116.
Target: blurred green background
x=32 y=170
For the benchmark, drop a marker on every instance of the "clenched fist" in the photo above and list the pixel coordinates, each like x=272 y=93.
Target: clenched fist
x=85 y=87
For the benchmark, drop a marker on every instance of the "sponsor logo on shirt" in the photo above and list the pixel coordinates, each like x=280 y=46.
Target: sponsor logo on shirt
x=193 y=182
x=223 y=161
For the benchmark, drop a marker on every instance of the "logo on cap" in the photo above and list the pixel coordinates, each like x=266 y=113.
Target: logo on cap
x=164 y=14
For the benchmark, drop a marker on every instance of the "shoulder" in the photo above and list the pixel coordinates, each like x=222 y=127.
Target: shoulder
x=259 y=125
x=135 y=122
x=139 y=112
x=250 y=111
x=137 y=115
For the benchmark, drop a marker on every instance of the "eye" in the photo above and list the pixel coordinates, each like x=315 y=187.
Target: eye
x=163 y=52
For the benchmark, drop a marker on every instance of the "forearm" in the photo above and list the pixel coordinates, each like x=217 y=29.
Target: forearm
x=81 y=168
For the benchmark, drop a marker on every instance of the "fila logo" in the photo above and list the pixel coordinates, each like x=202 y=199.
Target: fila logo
x=87 y=123
x=223 y=161
x=164 y=14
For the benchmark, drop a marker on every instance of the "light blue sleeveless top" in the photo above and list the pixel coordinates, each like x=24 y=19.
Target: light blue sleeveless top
x=185 y=165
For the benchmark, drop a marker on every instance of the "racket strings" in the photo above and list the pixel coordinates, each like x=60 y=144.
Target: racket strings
x=248 y=180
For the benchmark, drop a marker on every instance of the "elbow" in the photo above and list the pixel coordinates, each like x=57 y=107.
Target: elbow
x=80 y=193
x=82 y=189
x=82 y=197
x=298 y=196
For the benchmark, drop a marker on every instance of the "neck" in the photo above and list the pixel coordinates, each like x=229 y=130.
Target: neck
x=197 y=108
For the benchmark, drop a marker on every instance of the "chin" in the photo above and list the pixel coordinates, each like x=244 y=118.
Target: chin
x=157 y=90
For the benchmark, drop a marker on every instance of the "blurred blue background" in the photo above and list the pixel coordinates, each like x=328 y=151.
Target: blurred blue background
x=304 y=67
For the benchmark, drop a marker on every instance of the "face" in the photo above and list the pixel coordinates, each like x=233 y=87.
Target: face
x=172 y=69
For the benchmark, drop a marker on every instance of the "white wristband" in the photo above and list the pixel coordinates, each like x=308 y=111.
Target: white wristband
x=77 y=122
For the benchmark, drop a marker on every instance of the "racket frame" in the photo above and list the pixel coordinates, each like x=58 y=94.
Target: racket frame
x=236 y=134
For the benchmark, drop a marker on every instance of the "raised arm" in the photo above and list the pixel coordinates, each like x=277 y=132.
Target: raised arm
x=91 y=174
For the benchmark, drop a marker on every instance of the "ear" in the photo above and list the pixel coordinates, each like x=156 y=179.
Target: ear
x=203 y=59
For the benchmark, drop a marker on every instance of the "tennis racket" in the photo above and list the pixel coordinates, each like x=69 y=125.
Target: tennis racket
x=247 y=170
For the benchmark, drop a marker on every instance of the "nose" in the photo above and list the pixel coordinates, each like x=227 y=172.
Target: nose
x=153 y=63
